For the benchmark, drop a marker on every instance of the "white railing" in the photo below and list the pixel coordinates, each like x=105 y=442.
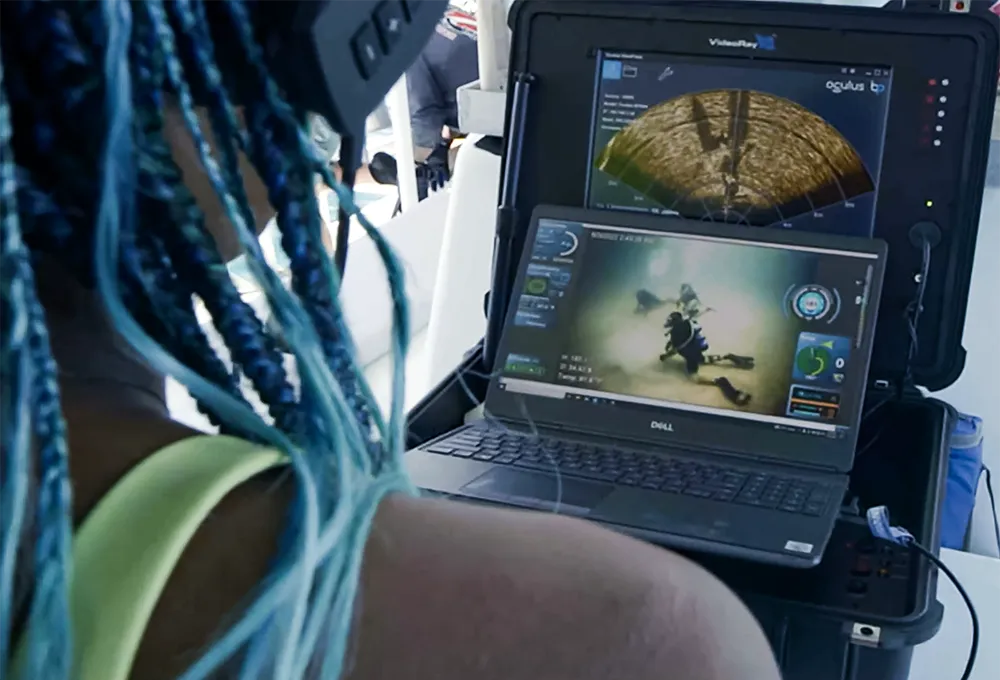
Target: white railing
x=493 y=41
x=481 y=103
x=402 y=137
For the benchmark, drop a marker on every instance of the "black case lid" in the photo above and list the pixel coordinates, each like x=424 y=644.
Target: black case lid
x=941 y=357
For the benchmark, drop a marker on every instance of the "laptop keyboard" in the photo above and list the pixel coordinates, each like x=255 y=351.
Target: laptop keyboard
x=638 y=469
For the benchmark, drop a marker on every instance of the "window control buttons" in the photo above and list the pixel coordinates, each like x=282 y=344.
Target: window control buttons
x=367 y=51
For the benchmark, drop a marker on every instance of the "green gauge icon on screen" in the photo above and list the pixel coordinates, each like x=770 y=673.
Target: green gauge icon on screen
x=536 y=285
x=821 y=359
x=813 y=360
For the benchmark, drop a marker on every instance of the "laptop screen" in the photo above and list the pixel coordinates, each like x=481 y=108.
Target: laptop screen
x=770 y=336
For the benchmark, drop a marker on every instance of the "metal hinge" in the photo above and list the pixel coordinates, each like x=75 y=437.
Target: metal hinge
x=865 y=635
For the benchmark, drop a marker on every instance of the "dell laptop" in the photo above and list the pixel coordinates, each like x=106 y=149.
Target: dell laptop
x=698 y=385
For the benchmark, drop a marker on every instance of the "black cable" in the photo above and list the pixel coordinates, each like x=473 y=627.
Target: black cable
x=350 y=160
x=974 y=648
x=875 y=408
x=863 y=449
x=993 y=505
x=879 y=524
x=913 y=313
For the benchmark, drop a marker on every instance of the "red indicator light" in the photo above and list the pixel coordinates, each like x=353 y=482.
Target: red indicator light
x=932 y=82
x=929 y=99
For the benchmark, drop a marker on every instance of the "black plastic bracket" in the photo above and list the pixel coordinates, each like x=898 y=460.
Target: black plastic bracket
x=507 y=217
x=340 y=59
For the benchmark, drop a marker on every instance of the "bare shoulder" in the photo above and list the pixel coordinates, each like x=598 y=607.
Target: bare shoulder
x=456 y=591
x=452 y=590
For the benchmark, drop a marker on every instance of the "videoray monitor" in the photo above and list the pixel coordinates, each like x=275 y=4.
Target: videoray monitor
x=756 y=142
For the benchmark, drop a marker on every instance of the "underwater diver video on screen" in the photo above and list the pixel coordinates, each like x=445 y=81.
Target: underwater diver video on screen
x=725 y=327
x=762 y=143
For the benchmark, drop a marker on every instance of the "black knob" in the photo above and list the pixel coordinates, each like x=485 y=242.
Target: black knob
x=925 y=231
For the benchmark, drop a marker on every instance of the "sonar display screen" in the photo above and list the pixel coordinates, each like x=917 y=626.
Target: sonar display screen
x=764 y=143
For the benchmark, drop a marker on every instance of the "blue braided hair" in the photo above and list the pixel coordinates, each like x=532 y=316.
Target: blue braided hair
x=87 y=178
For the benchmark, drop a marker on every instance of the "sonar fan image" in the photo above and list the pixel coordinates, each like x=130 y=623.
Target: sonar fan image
x=735 y=156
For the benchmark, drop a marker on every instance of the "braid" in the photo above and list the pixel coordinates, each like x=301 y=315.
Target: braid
x=167 y=310
x=305 y=149
x=28 y=357
x=87 y=178
x=15 y=375
x=48 y=42
x=168 y=306
x=53 y=539
x=147 y=302
x=197 y=263
x=195 y=42
x=291 y=193
x=252 y=349
x=310 y=269
x=189 y=245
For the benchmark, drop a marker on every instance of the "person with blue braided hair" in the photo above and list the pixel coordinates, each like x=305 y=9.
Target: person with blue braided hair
x=290 y=545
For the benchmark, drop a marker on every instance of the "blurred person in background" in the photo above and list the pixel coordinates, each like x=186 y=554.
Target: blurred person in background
x=450 y=60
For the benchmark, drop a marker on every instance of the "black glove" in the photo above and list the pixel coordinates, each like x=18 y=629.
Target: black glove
x=383 y=169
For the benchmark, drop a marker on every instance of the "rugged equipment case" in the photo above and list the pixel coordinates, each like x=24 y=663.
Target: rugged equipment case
x=819 y=630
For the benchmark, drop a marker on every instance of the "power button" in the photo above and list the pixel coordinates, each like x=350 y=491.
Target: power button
x=367 y=52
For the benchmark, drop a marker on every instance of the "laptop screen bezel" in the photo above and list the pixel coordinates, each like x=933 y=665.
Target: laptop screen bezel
x=691 y=430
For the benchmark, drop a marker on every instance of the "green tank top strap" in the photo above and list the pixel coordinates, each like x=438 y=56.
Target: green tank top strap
x=130 y=543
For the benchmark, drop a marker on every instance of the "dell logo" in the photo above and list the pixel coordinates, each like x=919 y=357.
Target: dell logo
x=759 y=42
x=660 y=425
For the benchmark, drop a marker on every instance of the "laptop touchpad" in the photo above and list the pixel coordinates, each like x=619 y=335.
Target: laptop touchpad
x=536 y=490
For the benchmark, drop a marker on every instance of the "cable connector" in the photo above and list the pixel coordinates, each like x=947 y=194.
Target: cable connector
x=922 y=232
x=880 y=526
x=878 y=523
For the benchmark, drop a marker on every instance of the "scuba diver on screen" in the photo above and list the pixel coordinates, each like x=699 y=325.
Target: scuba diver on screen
x=646 y=302
x=687 y=302
x=685 y=338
